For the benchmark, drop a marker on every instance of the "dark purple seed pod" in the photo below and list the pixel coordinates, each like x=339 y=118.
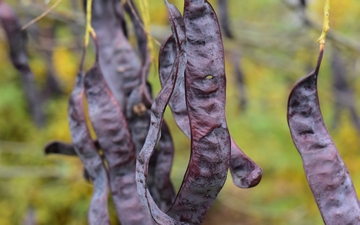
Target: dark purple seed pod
x=86 y=150
x=157 y=113
x=114 y=138
x=159 y=183
x=205 y=85
x=245 y=173
x=119 y=62
x=325 y=171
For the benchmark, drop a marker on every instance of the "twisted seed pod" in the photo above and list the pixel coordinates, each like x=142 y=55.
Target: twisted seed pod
x=86 y=150
x=114 y=137
x=325 y=171
x=157 y=114
x=205 y=85
x=245 y=172
x=118 y=60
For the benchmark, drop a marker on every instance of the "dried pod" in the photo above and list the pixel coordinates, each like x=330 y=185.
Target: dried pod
x=118 y=60
x=205 y=84
x=157 y=113
x=245 y=173
x=86 y=150
x=114 y=138
x=325 y=171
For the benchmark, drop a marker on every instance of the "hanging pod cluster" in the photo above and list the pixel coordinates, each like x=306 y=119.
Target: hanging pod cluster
x=133 y=153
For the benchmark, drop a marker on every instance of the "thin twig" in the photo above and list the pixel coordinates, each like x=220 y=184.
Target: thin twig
x=42 y=15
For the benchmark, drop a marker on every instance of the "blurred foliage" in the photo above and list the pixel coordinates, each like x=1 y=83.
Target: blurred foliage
x=276 y=50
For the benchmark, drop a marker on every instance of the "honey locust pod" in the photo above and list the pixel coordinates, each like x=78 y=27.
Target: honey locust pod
x=114 y=138
x=326 y=172
x=86 y=150
x=157 y=113
x=245 y=173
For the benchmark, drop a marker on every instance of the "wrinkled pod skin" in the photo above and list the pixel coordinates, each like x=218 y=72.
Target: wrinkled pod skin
x=157 y=114
x=114 y=137
x=326 y=172
x=86 y=150
x=159 y=183
x=205 y=85
x=118 y=60
x=245 y=172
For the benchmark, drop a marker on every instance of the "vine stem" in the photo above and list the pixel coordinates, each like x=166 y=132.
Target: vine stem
x=89 y=29
x=41 y=16
x=144 y=9
x=326 y=26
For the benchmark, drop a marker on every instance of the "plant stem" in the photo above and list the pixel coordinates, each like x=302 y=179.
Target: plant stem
x=326 y=26
x=88 y=30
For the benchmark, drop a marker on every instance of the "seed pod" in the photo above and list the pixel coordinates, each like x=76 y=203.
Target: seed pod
x=159 y=183
x=325 y=171
x=118 y=60
x=205 y=84
x=157 y=113
x=245 y=173
x=164 y=161
x=86 y=150
x=114 y=138
x=18 y=54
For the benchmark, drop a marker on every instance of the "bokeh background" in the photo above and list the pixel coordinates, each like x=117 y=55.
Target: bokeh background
x=274 y=45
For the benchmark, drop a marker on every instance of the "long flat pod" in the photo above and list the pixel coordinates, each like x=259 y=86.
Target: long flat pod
x=157 y=114
x=19 y=57
x=325 y=171
x=118 y=60
x=115 y=140
x=245 y=172
x=86 y=150
x=138 y=117
x=205 y=84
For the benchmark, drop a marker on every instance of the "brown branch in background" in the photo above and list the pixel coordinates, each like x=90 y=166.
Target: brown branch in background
x=17 y=45
x=343 y=95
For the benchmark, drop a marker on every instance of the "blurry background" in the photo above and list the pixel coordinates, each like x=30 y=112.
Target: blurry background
x=273 y=45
